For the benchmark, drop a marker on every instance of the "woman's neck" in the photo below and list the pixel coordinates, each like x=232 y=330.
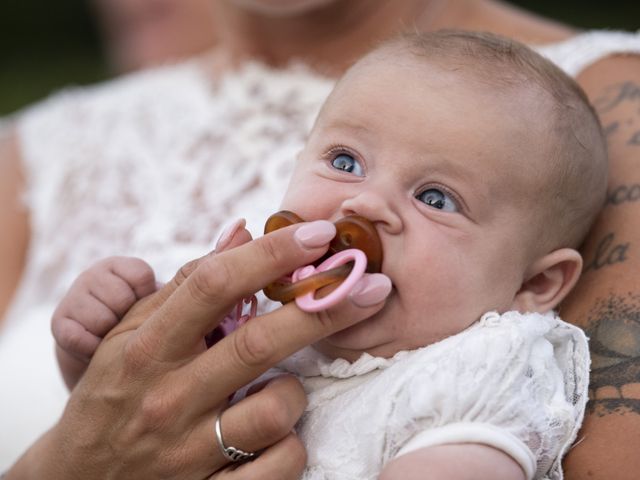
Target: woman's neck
x=328 y=38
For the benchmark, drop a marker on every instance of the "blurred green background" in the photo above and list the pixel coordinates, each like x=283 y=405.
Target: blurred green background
x=46 y=45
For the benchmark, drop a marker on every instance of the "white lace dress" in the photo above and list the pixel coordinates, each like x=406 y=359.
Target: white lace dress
x=153 y=165
x=515 y=382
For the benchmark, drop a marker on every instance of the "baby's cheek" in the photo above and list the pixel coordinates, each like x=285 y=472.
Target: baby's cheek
x=309 y=204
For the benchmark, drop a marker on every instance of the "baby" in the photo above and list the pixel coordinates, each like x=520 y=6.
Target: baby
x=482 y=167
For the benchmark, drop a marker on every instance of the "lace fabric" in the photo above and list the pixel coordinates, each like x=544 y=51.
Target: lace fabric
x=160 y=176
x=152 y=165
x=513 y=381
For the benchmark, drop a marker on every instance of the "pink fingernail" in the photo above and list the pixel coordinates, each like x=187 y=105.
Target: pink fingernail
x=315 y=234
x=370 y=290
x=228 y=233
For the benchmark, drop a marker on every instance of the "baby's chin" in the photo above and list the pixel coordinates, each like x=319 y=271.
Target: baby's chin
x=352 y=342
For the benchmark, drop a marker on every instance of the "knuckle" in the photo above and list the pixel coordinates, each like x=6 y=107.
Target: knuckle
x=135 y=269
x=68 y=335
x=185 y=271
x=327 y=319
x=275 y=416
x=271 y=250
x=290 y=464
x=123 y=300
x=252 y=346
x=142 y=271
x=109 y=261
x=70 y=339
x=297 y=454
x=156 y=411
x=172 y=464
x=57 y=323
x=144 y=278
x=104 y=265
x=101 y=324
x=83 y=280
x=211 y=281
x=136 y=356
x=289 y=387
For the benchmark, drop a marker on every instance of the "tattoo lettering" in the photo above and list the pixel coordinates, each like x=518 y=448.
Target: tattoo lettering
x=623 y=194
x=613 y=327
x=635 y=139
x=608 y=253
x=616 y=94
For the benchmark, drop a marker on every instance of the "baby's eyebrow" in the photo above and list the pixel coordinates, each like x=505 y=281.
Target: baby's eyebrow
x=461 y=176
x=353 y=128
x=437 y=164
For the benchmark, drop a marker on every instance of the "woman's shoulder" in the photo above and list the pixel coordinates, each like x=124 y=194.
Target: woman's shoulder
x=514 y=22
x=593 y=49
x=570 y=48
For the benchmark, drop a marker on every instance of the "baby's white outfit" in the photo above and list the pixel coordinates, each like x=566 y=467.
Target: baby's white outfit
x=515 y=382
x=153 y=165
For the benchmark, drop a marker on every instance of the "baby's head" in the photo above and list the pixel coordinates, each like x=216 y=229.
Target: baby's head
x=482 y=166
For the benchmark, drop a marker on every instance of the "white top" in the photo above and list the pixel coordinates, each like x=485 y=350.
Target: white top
x=515 y=382
x=153 y=164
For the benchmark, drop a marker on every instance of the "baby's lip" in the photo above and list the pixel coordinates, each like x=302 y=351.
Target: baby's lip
x=394 y=287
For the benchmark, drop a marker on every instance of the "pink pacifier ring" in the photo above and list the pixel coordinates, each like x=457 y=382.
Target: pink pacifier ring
x=308 y=302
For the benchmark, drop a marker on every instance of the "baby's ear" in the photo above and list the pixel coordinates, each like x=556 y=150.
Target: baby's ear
x=548 y=280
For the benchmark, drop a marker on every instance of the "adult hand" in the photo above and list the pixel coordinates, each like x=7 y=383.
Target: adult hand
x=147 y=405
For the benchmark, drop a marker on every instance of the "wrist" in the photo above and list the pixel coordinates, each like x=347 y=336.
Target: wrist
x=38 y=462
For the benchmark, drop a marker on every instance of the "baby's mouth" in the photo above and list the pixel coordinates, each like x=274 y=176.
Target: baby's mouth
x=352 y=232
x=285 y=290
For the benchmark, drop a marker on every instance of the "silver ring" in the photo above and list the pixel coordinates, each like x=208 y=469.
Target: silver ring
x=232 y=454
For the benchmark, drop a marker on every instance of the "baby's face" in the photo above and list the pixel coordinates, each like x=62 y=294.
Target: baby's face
x=441 y=169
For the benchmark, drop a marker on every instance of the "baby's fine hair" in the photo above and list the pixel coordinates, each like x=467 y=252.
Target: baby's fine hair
x=571 y=187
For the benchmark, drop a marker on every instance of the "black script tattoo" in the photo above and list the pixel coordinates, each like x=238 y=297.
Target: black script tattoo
x=635 y=139
x=614 y=95
x=623 y=194
x=608 y=253
x=613 y=328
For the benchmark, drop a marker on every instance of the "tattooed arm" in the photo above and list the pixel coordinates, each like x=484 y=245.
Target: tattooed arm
x=606 y=302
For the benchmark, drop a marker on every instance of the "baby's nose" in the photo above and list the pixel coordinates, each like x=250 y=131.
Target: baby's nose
x=374 y=207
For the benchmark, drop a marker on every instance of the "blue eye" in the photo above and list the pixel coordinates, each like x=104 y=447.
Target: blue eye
x=438 y=199
x=347 y=163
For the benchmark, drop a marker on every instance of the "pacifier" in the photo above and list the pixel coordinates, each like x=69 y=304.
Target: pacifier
x=355 y=249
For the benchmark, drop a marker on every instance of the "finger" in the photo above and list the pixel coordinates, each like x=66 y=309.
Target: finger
x=128 y=273
x=241 y=237
x=81 y=305
x=105 y=292
x=151 y=303
x=147 y=306
x=253 y=424
x=264 y=341
x=232 y=236
x=265 y=417
x=283 y=461
x=74 y=339
x=220 y=281
x=238 y=236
